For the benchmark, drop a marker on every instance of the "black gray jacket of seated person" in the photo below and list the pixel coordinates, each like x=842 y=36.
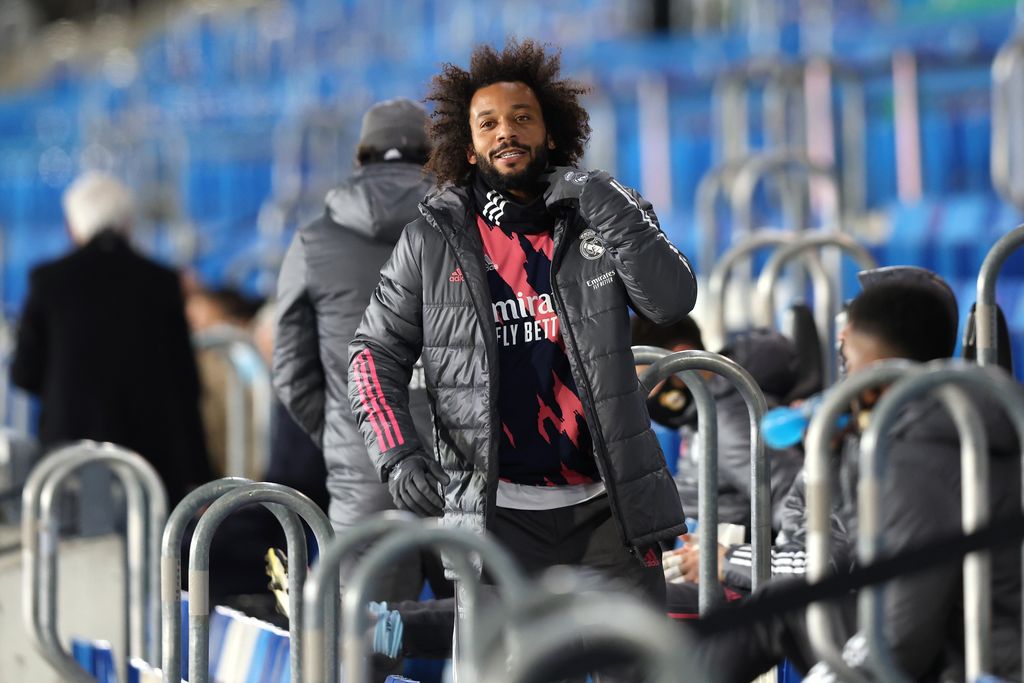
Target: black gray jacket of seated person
x=331 y=268
x=773 y=362
x=789 y=556
x=434 y=299
x=921 y=502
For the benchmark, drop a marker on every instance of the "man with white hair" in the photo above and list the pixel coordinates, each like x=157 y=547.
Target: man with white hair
x=102 y=340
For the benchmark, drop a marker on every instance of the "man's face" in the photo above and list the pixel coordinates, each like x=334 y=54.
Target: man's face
x=510 y=140
x=859 y=349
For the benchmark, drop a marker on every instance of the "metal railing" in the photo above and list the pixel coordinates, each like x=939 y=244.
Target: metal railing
x=170 y=569
x=321 y=589
x=1007 y=138
x=288 y=505
x=946 y=377
x=716 y=327
x=567 y=612
x=463 y=550
x=825 y=309
x=19 y=453
x=707 y=469
x=147 y=510
x=818 y=480
x=985 y=312
x=760 y=482
x=249 y=400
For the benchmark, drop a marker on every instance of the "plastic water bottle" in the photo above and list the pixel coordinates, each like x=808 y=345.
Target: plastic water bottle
x=785 y=426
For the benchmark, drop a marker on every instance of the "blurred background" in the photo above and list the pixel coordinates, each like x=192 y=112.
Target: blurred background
x=232 y=118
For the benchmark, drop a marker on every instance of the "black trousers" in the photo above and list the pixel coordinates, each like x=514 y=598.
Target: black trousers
x=585 y=536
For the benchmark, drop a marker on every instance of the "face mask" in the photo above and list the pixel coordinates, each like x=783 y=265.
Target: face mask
x=666 y=407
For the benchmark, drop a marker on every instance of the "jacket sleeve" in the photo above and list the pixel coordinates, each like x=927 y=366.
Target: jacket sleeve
x=383 y=353
x=657 y=276
x=28 y=366
x=298 y=372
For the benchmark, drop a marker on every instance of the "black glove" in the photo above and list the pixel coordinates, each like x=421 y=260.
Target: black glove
x=414 y=482
x=565 y=184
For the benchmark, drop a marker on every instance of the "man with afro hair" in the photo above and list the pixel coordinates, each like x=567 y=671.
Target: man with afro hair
x=514 y=286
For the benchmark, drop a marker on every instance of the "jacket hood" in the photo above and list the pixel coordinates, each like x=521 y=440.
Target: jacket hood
x=926 y=419
x=379 y=200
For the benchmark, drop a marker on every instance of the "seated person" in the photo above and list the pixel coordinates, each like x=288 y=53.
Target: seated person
x=912 y=318
x=772 y=361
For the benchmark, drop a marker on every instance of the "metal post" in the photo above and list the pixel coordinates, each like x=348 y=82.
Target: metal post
x=294 y=503
x=322 y=587
x=608 y=620
x=707 y=484
x=985 y=313
x=170 y=568
x=500 y=565
x=760 y=482
x=772 y=163
x=818 y=479
x=716 y=329
x=825 y=311
x=39 y=542
x=874 y=444
x=1007 y=131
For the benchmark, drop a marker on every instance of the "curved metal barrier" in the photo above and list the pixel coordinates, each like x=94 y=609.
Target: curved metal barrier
x=147 y=510
x=818 y=480
x=988 y=352
x=716 y=328
x=170 y=569
x=825 y=311
x=462 y=546
x=288 y=505
x=321 y=588
x=750 y=175
x=707 y=484
x=760 y=482
x=1007 y=139
x=247 y=382
x=946 y=377
x=565 y=612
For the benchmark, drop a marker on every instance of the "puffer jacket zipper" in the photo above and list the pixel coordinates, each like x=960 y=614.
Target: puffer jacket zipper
x=582 y=381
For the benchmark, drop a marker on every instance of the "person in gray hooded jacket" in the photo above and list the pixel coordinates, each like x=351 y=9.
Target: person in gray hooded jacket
x=514 y=286
x=329 y=272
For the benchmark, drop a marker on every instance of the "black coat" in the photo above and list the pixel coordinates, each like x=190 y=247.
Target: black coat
x=421 y=307
x=103 y=342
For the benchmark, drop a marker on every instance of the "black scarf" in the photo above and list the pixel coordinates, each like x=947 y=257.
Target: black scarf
x=508 y=214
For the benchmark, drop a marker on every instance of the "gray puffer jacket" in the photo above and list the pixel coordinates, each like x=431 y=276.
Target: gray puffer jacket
x=329 y=272
x=434 y=299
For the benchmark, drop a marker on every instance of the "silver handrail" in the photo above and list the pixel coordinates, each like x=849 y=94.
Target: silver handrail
x=707 y=475
x=322 y=588
x=741 y=196
x=821 y=630
x=287 y=504
x=985 y=312
x=146 y=500
x=600 y=621
x=1007 y=138
x=760 y=482
x=974 y=466
x=465 y=546
x=716 y=328
x=249 y=378
x=825 y=311
x=170 y=568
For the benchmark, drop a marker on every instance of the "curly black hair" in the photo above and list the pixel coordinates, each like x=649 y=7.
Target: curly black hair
x=526 y=62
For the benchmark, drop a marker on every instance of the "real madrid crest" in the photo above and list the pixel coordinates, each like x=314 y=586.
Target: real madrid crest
x=590 y=245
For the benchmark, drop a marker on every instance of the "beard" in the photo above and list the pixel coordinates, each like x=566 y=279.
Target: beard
x=524 y=180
